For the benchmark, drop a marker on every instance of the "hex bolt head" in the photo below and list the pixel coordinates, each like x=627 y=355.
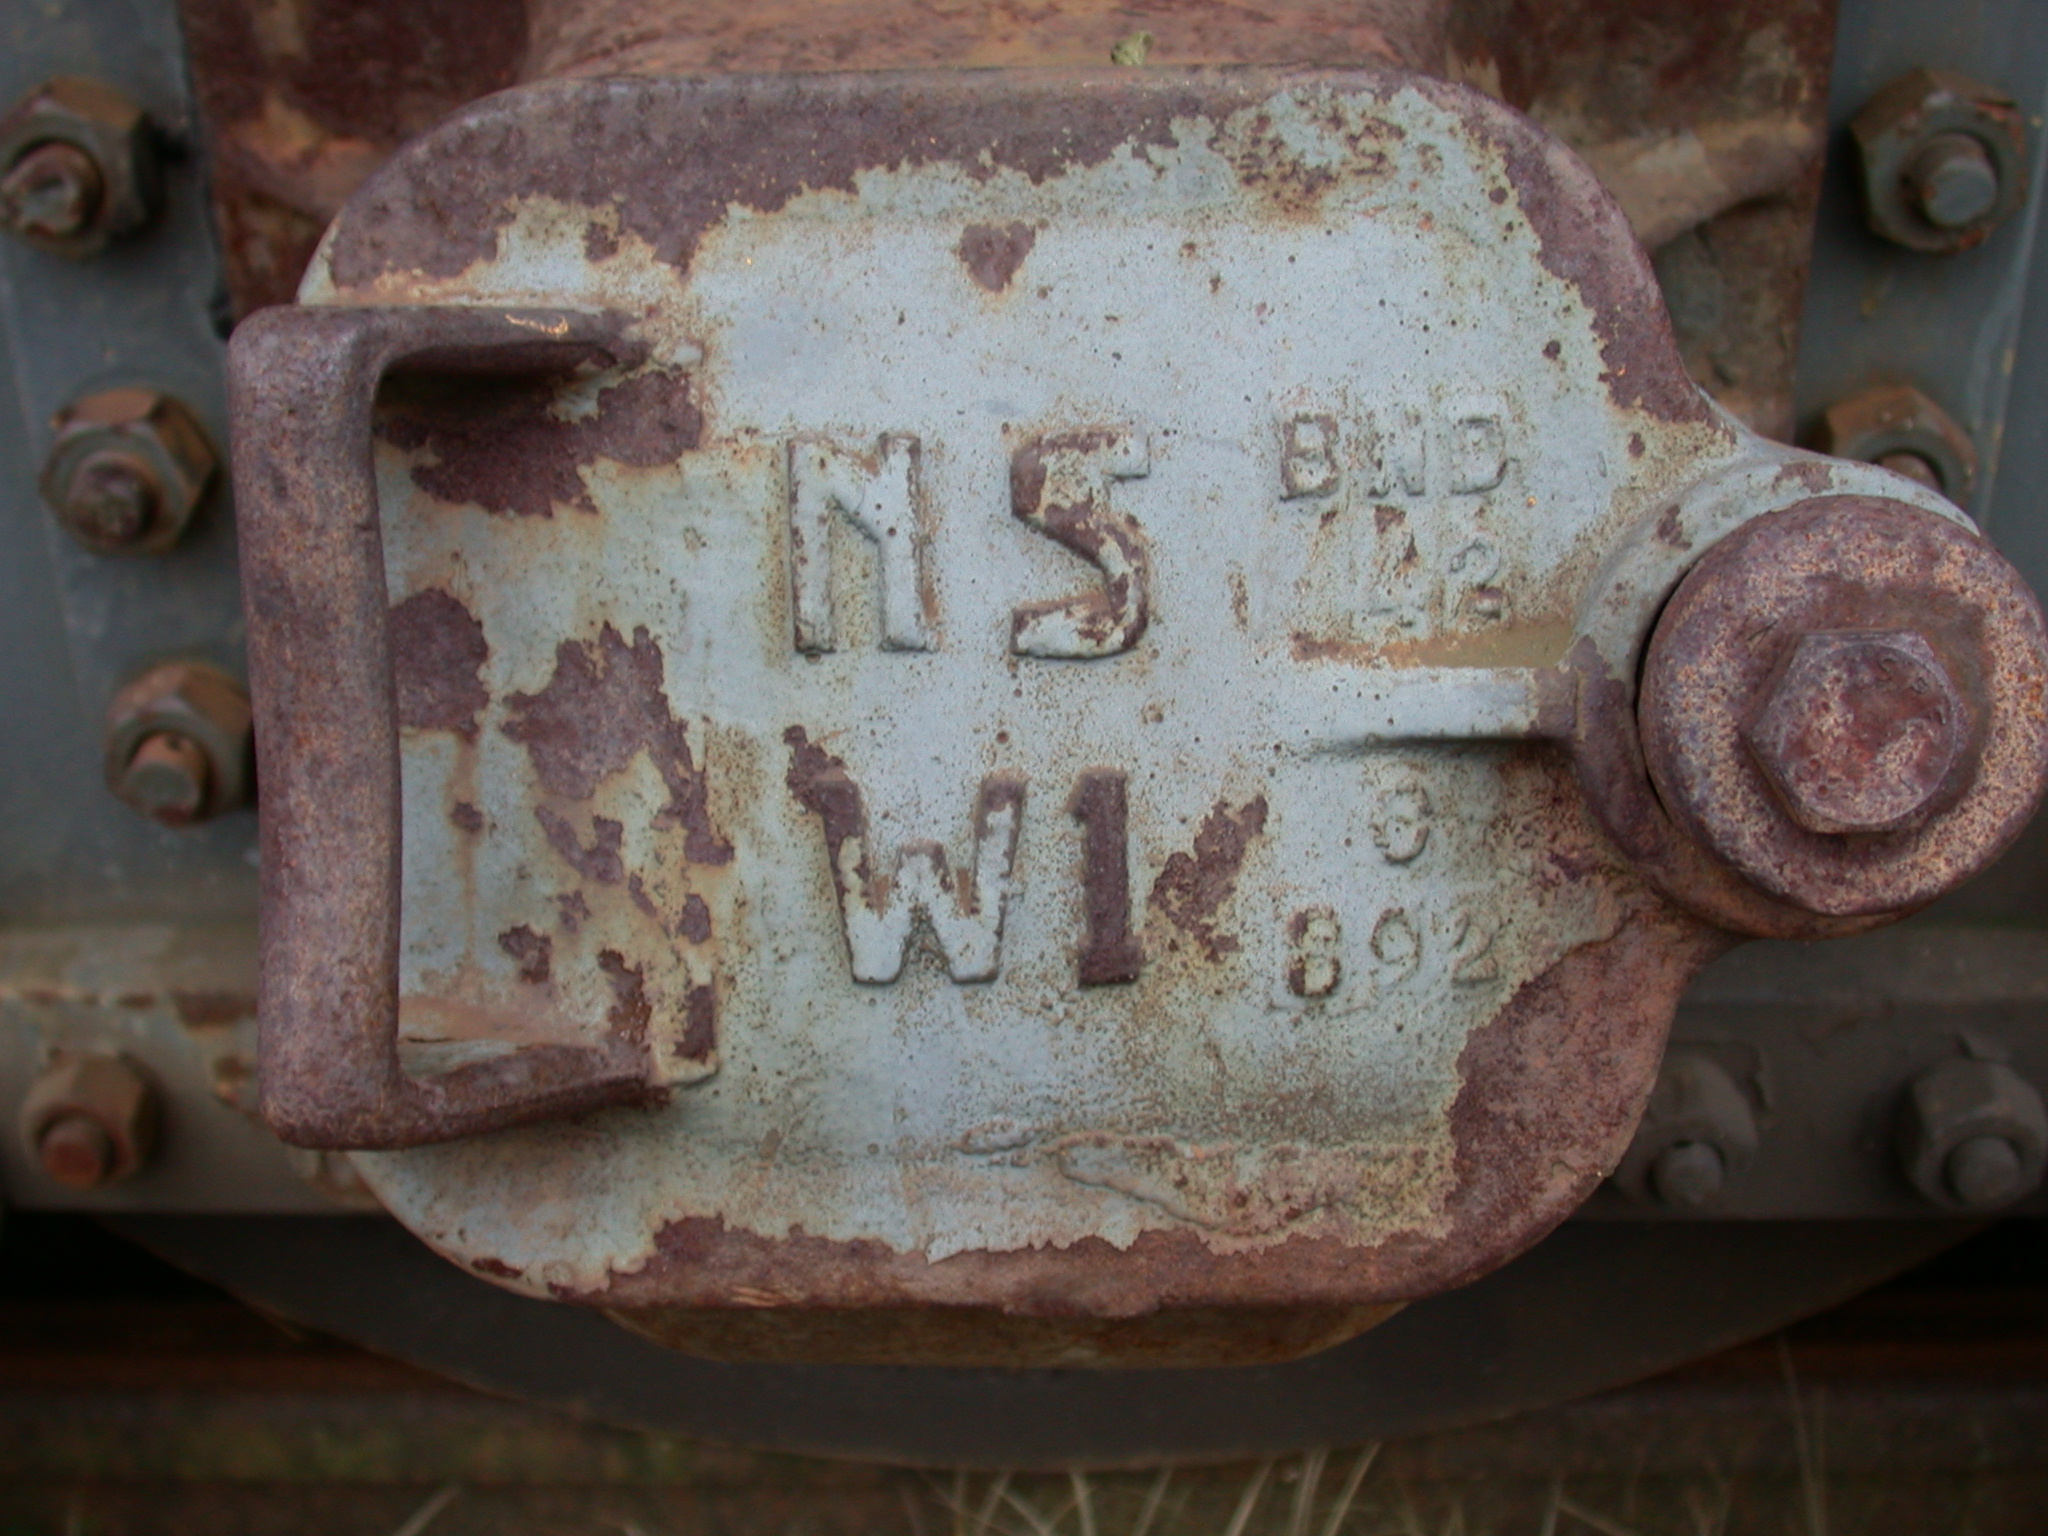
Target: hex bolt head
x=178 y=744
x=1860 y=731
x=1698 y=1131
x=79 y=167
x=51 y=192
x=1953 y=180
x=90 y=1120
x=1973 y=1135
x=127 y=468
x=1943 y=160
x=1898 y=427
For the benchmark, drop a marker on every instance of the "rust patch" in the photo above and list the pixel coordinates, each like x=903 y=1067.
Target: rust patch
x=630 y=1013
x=467 y=817
x=1609 y=1002
x=602 y=861
x=756 y=143
x=501 y=445
x=819 y=782
x=573 y=910
x=298 y=107
x=1535 y=643
x=496 y=1267
x=534 y=953
x=604 y=705
x=437 y=655
x=1194 y=886
x=992 y=253
x=695 y=922
x=700 y=1024
x=1671 y=531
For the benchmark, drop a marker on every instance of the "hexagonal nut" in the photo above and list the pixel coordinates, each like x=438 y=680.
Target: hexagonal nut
x=126 y=470
x=1697 y=1132
x=105 y=180
x=179 y=746
x=1962 y=1108
x=90 y=1120
x=1943 y=160
x=1860 y=731
x=1877 y=425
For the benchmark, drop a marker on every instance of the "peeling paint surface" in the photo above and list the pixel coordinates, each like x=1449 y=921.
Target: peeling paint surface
x=1337 y=406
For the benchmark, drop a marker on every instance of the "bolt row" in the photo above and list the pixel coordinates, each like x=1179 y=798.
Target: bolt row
x=129 y=468
x=1969 y=1135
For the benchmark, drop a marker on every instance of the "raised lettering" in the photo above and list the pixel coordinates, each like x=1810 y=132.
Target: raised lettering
x=1400 y=822
x=1308 y=456
x=877 y=495
x=962 y=909
x=1109 y=953
x=1313 y=967
x=1060 y=485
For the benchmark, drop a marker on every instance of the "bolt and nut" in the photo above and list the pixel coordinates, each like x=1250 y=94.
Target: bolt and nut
x=1973 y=1135
x=1859 y=731
x=1697 y=1132
x=1896 y=426
x=90 y=1120
x=178 y=744
x=1818 y=699
x=127 y=468
x=1943 y=160
x=78 y=167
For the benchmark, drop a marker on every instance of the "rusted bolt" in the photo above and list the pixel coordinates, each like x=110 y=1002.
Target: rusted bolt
x=167 y=779
x=178 y=744
x=51 y=192
x=127 y=468
x=80 y=167
x=90 y=1120
x=1697 y=1132
x=1897 y=426
x=1973 y=1135
x=1841 y=703
x=1943 y=160
x=1858 y=731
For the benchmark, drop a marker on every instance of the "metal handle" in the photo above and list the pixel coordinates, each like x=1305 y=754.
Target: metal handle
x=302 y=384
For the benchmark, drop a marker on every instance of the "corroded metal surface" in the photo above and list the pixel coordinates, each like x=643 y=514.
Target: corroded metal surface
x=1706 y=121
x=1845 y=701
x=1046 y=671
